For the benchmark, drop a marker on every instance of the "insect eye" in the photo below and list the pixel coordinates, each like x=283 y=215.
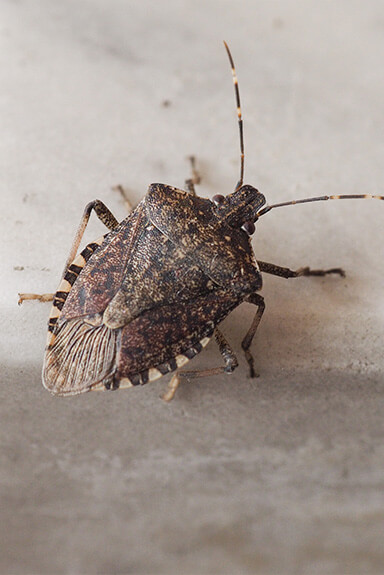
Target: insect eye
x=218 y=199
x=248 y=227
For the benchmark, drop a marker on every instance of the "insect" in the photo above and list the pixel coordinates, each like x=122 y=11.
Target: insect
x=147 y=297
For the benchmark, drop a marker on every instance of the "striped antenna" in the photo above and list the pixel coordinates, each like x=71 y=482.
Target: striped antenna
x=239 y=116
x=320 y=199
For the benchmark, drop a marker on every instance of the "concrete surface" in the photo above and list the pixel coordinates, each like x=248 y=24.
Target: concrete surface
x=279 y=475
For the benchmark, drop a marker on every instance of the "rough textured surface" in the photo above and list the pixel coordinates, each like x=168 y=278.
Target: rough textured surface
x=284 y=474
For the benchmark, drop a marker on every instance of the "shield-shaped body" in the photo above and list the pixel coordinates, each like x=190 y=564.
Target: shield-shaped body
x=146 y=298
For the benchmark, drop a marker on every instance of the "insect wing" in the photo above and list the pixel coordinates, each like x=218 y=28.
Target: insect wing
x=101 y=278
x=81 y=351
x=81 y=356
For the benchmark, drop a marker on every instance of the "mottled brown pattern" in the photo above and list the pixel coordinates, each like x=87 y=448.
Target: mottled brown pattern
x=102 y=276
x=164 y=332
x=69 y=279
x=159 y=283
x=210 y=234
x=157 y=273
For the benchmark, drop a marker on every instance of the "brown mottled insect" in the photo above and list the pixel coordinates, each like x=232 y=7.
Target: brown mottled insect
x=147 y=297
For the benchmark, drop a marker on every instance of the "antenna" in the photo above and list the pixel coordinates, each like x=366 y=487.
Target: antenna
x=319 y=199
x=267 y=209
x=239 y=116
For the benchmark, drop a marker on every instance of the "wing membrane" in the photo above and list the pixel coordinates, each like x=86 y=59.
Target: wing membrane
x=82 y=357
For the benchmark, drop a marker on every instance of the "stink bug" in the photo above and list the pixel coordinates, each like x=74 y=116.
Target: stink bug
x=147 y=297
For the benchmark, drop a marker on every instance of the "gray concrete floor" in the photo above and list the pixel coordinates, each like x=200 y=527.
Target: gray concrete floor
x=279 y=475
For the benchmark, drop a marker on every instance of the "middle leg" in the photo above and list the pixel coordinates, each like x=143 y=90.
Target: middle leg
x=305 y=271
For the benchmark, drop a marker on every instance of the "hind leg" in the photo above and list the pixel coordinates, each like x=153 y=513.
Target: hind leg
x=230 y=364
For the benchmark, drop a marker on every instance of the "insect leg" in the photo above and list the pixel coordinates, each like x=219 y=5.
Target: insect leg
x=305 y=271
x=40 y=297
x=196 y=179
x=104 y=215
x=258 y=300
x=230 y=364
x=126 y=200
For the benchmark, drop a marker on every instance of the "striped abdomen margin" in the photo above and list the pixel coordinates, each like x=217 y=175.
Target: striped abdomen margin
x=67 y=282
